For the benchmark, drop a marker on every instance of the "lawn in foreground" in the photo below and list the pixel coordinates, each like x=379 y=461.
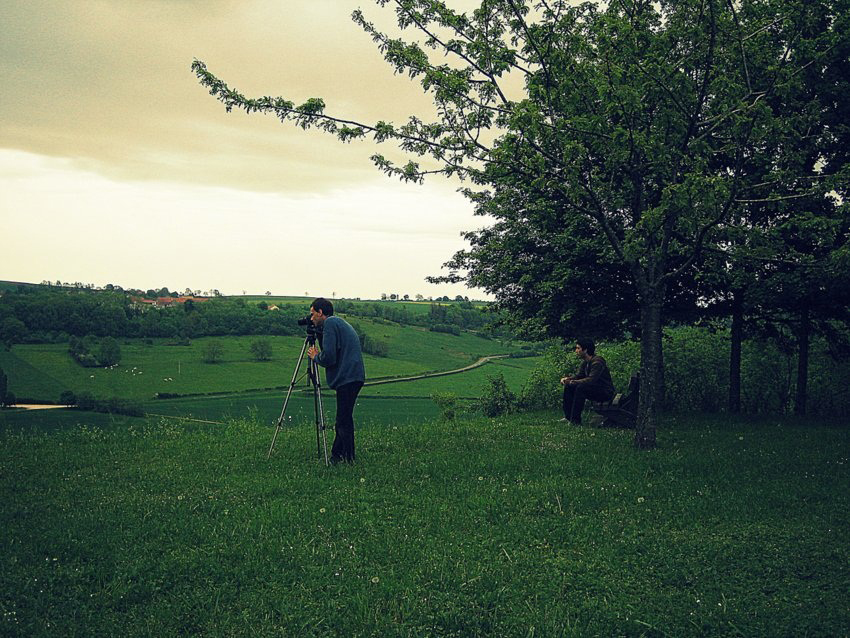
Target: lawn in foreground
x=514 y=526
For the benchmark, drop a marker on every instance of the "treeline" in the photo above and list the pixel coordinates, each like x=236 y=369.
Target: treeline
x=53 y=315
x=33 y=315
x=441 y=317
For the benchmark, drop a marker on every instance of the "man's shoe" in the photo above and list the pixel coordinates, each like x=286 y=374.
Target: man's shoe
x=336 y=460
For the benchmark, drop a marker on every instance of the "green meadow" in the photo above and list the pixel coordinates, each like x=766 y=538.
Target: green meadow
x=177 y=524
x=43 y=371
x=515 y=526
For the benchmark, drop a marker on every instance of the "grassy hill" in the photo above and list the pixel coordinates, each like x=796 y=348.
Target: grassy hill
x=43 y=371
x=507 y=527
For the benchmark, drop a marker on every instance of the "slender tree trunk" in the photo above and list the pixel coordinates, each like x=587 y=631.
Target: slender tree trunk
x=651 y=373
x=802 y=360
x=735 y=351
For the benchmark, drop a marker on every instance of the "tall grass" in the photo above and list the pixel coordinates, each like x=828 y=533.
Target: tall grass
x=513 y=527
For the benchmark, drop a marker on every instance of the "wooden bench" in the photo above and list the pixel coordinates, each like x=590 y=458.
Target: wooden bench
x=621 y=411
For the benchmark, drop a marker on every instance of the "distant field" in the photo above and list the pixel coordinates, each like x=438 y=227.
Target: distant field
x=44 y=371
x=398 y=403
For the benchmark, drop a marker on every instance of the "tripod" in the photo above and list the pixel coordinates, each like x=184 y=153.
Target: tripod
x=313 y=379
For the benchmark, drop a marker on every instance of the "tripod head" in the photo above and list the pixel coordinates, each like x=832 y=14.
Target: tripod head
x=313 y=331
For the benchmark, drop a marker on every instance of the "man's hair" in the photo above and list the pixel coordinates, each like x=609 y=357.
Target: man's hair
x=587 y=345
x=324 y=305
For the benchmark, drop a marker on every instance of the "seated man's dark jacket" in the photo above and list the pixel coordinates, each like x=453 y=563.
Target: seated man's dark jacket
x=594 y=374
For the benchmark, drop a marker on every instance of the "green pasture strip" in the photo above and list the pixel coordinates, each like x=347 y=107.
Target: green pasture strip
x=468 y=384
x=266 y=408
x=146 y=370
x=508 y=527
x=43 y=371
x=18 y=419
x=31 y=380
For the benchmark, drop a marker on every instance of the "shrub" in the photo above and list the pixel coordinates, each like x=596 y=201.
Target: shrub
x=373 y=346
x=213 y=352
x=261 y=349
x=497 y=398
x=108 y=352
x=542 y=389
x=67 y=398
x=447 y=403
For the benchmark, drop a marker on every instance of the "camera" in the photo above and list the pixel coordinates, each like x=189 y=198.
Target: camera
x=312 y=330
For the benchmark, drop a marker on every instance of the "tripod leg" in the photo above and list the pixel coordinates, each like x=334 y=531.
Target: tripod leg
x=288 y=394
x=320 y=413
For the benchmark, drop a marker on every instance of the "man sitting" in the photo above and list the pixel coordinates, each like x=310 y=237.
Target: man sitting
x=593 y=381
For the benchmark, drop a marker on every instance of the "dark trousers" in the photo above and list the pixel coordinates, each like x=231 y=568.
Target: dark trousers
x=346 y=397
x=575 y=396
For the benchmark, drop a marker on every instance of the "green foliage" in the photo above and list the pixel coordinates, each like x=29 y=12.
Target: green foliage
x=447 y=402
x=212 y=352
x=373 y=346
x=442 y=327
x=67 y=398
x=4 y=386
x=46 y=315
x=497 y=399
x=113 y=405
x=696 y=373
x=542 y=388
x=261 y=349
x=91 y=353
x=108 y=352
x=12 y=330
x=696 y=369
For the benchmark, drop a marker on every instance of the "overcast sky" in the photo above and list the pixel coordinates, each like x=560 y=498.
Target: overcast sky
x=116 y=166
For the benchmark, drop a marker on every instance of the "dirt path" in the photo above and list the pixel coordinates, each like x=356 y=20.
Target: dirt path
x=428 y=375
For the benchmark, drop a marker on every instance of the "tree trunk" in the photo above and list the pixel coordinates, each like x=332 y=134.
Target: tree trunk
x=651 y=373
x=802 y=360
x=735 y=351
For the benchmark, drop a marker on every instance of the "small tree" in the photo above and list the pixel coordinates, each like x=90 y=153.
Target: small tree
x=447 y=403
x=497 y=398
x=213 y=352
x=261 y=349
x=108 y=352
x=68 y=398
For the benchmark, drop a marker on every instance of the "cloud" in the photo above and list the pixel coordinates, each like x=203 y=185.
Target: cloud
x=108 y=84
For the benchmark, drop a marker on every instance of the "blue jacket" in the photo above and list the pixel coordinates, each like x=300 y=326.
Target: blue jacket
x=340 y=355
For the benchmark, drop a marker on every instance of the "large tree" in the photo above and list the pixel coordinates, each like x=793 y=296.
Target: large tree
x=639 y=118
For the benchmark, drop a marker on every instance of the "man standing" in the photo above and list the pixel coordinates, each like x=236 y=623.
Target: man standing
x=344 y=371
x=593 y=381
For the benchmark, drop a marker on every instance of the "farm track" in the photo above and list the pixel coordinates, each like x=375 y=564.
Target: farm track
x=428 y=375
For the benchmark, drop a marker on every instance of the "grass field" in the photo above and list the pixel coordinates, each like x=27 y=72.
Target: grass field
x=508 y=527
x=43 y=371
x=397 y=403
